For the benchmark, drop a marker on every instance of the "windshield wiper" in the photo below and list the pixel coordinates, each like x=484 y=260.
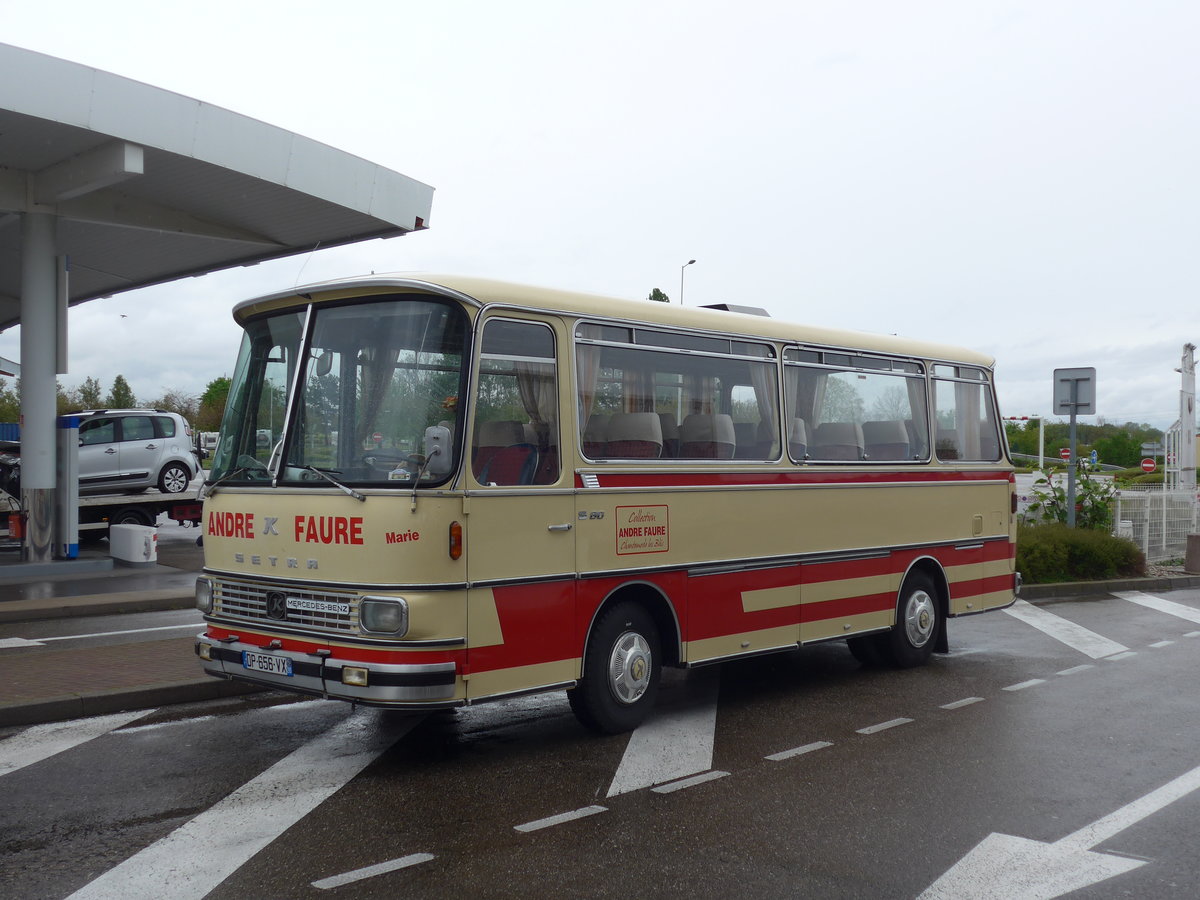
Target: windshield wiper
x=337 y=484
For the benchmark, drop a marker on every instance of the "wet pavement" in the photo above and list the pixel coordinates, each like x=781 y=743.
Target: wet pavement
x=41 y=684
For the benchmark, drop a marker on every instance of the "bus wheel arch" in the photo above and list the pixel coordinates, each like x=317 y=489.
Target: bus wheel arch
x=631 y=638
x=922 y=607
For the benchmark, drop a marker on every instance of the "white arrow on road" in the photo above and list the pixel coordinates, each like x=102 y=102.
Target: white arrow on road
x=1005 y=866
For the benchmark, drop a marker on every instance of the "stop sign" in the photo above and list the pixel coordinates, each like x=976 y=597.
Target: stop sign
x=1148 y=465
x=1065 y=452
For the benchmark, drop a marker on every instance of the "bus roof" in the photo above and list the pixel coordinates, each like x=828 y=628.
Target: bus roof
x=481 y=292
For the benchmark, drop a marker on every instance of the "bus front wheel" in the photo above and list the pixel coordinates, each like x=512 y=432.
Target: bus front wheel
x=621 y=670
x=918 y=618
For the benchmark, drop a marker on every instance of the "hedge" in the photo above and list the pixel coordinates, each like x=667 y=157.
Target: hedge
x=1051 y=553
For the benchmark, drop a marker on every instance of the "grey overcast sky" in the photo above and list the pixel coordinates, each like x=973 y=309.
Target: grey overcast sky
x=1016 y=177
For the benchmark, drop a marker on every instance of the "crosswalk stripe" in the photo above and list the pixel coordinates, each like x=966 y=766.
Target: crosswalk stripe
x=1167 y=606
x=196 y=857
x=1075 y=636
x=393 y=865
x=43 y=741
x=674 y=742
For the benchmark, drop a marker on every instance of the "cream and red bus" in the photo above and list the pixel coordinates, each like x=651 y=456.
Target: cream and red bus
x=435 y=491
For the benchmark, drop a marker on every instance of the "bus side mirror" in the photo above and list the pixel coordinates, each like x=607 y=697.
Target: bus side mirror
x=437 y=450
x=324 y=364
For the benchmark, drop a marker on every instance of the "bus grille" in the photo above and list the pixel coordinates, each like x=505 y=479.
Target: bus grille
x=248 y=601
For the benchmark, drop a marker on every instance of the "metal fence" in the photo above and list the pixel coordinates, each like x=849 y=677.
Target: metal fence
x=1155 y=519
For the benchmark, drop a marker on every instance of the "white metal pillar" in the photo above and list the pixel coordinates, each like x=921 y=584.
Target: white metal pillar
x=1186 y=451
x=39 y=357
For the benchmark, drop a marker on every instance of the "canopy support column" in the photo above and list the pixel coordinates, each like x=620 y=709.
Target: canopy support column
x=39 y=360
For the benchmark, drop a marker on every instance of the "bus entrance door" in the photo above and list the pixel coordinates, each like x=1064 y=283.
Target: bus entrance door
x=521 y=603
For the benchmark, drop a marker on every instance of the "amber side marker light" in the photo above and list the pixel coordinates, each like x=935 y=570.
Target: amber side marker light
x=455 y=540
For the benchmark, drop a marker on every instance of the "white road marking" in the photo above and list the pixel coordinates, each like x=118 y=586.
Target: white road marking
x=561 y=818
x=43 y=741
x=1192 y=634
x=959 y=704
x=1170 y=607
x=1075 y=636
x=1032 y=682
x=1160 y=644
x=1125 y=655
x=688 y=782
x=1074 y=669
x=382 y=868
x=157 y=726
x=199 y=855
x=7 y=643
x=1005 y=866
x=78 y=637
x=798 y=751
x=674 y=742
x=883 y=726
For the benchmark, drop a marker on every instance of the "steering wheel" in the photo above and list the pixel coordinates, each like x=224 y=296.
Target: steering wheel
x=252 y=468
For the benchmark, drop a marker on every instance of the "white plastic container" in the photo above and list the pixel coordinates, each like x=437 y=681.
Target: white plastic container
x=133 y=545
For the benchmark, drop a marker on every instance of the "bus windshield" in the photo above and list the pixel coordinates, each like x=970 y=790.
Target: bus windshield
x=379 y=381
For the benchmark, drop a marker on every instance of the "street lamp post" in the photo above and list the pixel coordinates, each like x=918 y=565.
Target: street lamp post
x=681 y=268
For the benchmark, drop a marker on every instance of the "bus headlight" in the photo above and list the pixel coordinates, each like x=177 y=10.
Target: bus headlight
x=204 y=595
x=383 y=616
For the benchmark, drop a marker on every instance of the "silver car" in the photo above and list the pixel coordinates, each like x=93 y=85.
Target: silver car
x=135 y=449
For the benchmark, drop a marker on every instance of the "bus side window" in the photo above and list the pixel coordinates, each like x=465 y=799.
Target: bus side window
x=652 y=401
x=516 y=406
x=855 y=407
x=967 y=427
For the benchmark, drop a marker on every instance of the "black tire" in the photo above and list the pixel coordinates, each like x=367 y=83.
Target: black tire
x=867 y=650
x=131 y=515
x=918 y=623
x=621 y=670
x=174 y=478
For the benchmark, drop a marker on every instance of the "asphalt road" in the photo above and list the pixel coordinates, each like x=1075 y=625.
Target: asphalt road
x=1056 y=749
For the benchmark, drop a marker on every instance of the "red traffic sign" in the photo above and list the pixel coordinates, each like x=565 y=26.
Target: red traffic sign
x=1065 y=452
x=377 y=437
x=1148 y=465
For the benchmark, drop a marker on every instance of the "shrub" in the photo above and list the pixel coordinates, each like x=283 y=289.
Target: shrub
x=1052 y=553
x=1093 y=501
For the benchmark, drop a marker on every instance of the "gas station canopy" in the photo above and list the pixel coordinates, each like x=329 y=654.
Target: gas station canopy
x=121 y=185
x=148 y=186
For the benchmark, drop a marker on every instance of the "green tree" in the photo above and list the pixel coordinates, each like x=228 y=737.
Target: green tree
x=212 y=405
x=658 y=296
x=10 y=402
x=65 y=401
x=177 y=401
x=90 y=393
x=121 y=396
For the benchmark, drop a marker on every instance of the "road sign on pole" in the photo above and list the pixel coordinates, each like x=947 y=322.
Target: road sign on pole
x=1065 y=452
x=1075 y=391
x=1075 y=394
x=1148 y=465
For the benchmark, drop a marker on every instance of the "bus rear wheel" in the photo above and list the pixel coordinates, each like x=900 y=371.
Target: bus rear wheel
x=621 y=670
x=918 y=617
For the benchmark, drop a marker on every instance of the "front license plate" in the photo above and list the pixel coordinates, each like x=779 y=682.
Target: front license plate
x=265 y=662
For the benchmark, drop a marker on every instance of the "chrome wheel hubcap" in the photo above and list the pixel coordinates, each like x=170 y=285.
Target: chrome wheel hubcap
x=920 y=618
x=629 y=667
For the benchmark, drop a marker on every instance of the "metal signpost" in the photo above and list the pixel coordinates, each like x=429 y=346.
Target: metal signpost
x=1074 y=394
